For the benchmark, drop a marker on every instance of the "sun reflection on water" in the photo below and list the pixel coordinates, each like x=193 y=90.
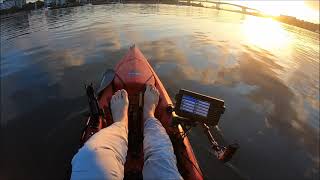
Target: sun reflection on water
x=265 y=34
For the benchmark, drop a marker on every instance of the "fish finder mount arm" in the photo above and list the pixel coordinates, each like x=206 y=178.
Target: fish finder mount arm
x=223 y=153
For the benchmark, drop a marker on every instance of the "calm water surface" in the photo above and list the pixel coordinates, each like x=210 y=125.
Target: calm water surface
x=267 y=73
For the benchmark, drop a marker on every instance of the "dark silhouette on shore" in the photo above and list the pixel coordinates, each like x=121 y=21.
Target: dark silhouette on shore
x=299 y=23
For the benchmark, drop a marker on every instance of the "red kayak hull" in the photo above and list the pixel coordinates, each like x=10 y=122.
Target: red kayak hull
x=132 y=73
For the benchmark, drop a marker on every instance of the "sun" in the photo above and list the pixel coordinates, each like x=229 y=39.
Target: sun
x=296 y=8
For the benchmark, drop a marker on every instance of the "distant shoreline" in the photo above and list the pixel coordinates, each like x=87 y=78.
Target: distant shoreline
x=284 y=19
x=34 y=6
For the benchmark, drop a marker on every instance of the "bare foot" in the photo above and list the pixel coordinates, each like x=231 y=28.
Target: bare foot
x=119 y=106
x=151 y=98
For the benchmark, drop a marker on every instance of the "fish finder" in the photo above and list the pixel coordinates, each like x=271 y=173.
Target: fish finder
x=198 y=107
x=192 y=109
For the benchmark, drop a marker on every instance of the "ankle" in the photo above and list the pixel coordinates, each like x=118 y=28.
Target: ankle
x=125 y=122
x=147 y=116
x=148 y=112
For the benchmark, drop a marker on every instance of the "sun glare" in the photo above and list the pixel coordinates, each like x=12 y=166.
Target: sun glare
x=292 y=8
x=267 y=34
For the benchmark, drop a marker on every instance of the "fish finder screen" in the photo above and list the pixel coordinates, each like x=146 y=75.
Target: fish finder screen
x=195 y=106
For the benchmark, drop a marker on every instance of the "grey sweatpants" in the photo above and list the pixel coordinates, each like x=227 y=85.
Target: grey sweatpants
x=104 y=154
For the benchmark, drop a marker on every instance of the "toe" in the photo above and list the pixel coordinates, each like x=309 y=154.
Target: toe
x=116 y=95
x=148 y=87
x=154 y=90
x=125 y=96
x=124 y=93
x=112 y=99
x=121 y=94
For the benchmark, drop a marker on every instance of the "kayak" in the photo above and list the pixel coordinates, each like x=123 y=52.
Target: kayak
x=132 y=73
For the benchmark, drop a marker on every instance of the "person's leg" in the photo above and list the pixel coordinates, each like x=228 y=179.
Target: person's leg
x=104 y=154
x=159 y=158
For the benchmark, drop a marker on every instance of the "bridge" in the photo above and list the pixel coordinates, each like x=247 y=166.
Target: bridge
x=218 y=4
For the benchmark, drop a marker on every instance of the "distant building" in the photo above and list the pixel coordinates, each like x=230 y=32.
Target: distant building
x=54 y=2
x=7 y=4
x=83 y=1
x=20 y=3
